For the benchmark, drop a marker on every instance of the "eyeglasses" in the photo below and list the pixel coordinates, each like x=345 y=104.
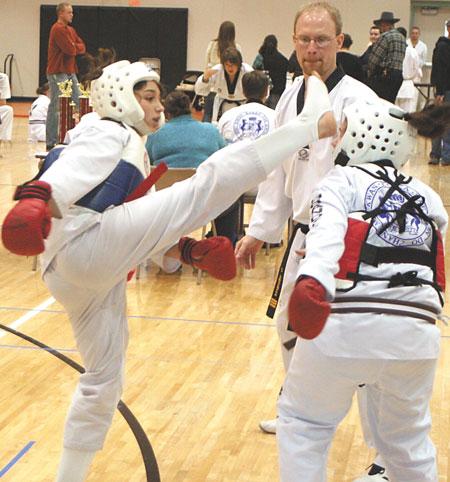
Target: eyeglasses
x=320 y=42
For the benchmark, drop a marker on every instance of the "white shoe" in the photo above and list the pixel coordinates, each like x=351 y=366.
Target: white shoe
x=375 y=474
x=268 y=426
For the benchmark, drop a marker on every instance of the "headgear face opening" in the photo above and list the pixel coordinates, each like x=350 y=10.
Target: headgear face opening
x=376 y=131
x=113 y=95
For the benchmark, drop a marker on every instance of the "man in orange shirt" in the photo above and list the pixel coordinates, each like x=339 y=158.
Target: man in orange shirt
x=64 y=45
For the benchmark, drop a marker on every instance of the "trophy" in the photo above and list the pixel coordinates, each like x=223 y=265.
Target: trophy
x=66 y=109
x=85 y=106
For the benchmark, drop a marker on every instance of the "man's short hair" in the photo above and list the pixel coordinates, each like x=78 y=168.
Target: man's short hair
x=62 y=6
x=255 y=84
x=331 y=9
x=232 y=55
x=415 y=28
x=177 y=103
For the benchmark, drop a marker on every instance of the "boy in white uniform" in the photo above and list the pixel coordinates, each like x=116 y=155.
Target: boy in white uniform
x=99 y=238
x=38 y=115
x=252 y=119
x=372 y=279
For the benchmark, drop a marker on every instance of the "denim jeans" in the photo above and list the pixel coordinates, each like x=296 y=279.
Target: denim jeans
x=52 y=124
x=440 y=147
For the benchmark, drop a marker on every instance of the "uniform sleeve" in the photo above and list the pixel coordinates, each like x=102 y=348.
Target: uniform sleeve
x=203 y=88
x=439 y=215
x=225 y=127
x=330 y=206
x=86 y=162
x=272 y=208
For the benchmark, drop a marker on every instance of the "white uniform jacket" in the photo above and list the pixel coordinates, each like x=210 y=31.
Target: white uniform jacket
x=217 y=83
x=80 y=169
x=369 y=320
x=287 y=190
x=248 y=121
x=5 y=90
x=37 y=119
x=411 y=71
x=422 y=49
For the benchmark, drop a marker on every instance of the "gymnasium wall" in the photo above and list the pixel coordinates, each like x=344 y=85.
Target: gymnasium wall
x=20 y=19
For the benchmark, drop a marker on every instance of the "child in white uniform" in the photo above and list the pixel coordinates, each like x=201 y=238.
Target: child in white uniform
x=374 y=273
x=99 y=239
x=38 y=115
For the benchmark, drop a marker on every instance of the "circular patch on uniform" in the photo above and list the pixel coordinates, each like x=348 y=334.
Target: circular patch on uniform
x=250 y=125
x=393 y=214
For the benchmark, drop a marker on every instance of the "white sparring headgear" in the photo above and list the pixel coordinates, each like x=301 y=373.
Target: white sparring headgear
x=376 y=130
x=113 y=97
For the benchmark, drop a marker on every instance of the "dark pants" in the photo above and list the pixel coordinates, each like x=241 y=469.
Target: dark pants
x=208 y=107
x=386 y=85
x=227 y=223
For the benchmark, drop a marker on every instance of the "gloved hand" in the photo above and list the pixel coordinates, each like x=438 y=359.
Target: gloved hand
x=214 y=255
x=308 y=308
x=28 y=223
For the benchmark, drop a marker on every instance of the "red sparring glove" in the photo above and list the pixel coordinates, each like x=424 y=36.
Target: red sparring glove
x=28 y=223
x=214 y=255
x=308 y=308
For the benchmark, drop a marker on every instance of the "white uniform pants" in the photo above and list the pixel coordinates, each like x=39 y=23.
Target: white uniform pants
x=317 y=395
x=290 y=277
x=6 y=116
x=88 y=277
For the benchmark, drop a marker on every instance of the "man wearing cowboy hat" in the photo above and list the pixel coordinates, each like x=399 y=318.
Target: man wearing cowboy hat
x=386 y=59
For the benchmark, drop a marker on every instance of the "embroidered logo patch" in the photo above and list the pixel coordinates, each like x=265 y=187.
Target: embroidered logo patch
x=303 y=154
x=394 y=214
x=250 y=125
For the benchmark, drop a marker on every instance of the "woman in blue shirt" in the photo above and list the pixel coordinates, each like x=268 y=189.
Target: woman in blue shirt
x=182 y=141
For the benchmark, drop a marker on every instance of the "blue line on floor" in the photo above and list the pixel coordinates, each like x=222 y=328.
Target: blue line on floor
x=15 y=459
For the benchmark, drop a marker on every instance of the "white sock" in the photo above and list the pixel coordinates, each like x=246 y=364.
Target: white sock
x=74 y=465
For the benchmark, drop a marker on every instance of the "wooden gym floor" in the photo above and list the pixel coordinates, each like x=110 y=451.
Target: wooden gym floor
x=203 y=369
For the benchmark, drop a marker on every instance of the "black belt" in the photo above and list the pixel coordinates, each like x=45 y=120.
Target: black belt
x=304 y=228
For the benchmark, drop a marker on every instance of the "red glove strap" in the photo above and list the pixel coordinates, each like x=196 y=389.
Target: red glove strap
x=33 y=190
